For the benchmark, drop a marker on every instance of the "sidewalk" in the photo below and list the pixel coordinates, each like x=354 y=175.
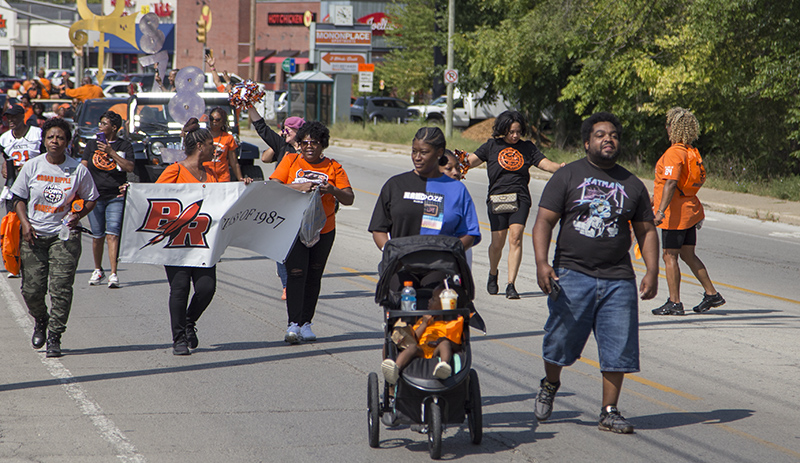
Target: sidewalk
x=757 y=207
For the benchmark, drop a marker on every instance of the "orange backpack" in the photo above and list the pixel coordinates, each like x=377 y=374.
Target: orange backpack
x=9 y=241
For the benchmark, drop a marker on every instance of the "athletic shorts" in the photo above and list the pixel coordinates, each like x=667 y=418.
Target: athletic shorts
x=500 y=222
x=607 y=307
x=675 y=239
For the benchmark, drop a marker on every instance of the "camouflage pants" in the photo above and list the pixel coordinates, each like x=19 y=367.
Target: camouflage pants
x=56 y=260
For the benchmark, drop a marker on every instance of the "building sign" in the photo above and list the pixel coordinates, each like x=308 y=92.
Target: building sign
x=338 y=37
x=379 y=22
x=162 y=10
x=287 y=19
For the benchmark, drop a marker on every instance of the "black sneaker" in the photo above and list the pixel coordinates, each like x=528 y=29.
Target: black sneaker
x=191 y=335
x=180 y=347
x=611 y=420
x=511 y=292
x=669 y=308
x=39 y=332
x=491 y=285
x=53 y=345
x=709 y=302
x=543 y=406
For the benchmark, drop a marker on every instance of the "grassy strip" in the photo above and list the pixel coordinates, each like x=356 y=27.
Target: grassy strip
x=787 y=188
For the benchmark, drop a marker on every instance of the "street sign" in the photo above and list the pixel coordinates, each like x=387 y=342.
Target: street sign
x=366 y=67
x=365 y=81
x=342 y=63
x=451 y=76
x=365 y=87
x=288 y=65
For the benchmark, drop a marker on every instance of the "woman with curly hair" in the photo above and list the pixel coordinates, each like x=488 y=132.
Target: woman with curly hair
x=679 y=213
x=306 y=171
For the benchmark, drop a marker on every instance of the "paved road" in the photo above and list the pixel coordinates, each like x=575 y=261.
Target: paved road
x=720 y=387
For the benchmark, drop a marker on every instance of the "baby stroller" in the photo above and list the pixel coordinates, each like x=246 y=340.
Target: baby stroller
x=419 y=398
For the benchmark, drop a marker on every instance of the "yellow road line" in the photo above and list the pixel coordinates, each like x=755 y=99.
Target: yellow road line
x=366 y=277
x=363 y=191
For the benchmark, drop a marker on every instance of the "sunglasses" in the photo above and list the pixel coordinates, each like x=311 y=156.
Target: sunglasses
x=215 y=119
x=309 y=143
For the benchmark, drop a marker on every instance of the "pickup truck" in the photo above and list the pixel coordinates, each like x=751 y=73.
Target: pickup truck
x=466 y=110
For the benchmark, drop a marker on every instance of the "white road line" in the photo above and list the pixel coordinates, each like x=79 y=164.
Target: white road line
x=108 y=430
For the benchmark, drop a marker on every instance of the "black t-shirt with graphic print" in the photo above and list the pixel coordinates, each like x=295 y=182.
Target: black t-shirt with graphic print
x=107 y=177
x=596 y=208
x=508 y=166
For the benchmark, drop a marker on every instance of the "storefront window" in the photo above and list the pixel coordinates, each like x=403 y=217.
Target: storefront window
x=41 y=60
x=52 y=60
x=21 y=59
x=66 y=60
x=4 y=61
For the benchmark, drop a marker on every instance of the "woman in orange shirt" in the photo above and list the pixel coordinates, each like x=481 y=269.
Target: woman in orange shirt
x=199 y=148
x=306 y=171
x=679 y=213
x=225 y=162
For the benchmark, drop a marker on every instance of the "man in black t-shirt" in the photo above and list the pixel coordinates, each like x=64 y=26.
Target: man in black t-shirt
x=591 y=284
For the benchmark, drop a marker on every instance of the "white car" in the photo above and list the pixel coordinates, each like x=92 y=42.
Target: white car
x=120 y=88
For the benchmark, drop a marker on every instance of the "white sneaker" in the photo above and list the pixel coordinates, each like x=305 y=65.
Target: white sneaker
x=442 y=370
x=113 y=281
x=292 y=334
x=13 y=275
x=97 y=277
x=305 y=332
x=391 y=372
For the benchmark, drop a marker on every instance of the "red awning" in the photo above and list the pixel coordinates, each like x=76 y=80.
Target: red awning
x=301 y=61
x=258 y=59
x=275 y=59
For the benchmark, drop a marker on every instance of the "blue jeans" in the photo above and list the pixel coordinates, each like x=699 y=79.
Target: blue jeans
x=106 y=217
x=610 y=308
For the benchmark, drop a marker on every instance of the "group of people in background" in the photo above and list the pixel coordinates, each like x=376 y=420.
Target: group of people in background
x=601 y=209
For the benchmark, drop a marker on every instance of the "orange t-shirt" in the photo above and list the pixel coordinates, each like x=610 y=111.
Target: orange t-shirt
x=46 y=87
x=176 y=173
x=684 y=164
x=294 y=169
x=224 y=145
x=85 y=92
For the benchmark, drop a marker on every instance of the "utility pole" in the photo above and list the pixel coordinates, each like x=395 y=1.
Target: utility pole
x=451 y=25
x=253 y=40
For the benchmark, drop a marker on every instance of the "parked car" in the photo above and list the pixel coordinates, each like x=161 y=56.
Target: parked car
x=381 y=109
x=156 y=136
x=209 y=84
x=120 y=88
x=87 y=116
x=467 y=110
x=148 y=81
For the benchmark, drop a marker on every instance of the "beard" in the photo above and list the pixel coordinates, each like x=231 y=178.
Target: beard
x=597 y=154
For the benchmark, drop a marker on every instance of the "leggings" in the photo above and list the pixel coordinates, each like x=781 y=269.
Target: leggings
x=305 y=267
x=180 y=281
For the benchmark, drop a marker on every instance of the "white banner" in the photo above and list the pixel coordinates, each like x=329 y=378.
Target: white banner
x=191 y=224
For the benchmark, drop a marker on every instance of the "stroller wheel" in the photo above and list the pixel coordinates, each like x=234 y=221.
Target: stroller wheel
x=435 y=430
x=373 y=410
x=474 y=412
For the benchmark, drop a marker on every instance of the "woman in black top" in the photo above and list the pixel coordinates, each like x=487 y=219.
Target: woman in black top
x=508 y=159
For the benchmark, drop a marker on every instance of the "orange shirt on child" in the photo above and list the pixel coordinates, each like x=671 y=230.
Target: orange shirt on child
x=224 y=145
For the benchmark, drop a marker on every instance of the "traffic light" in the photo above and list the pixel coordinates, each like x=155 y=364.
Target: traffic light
x=201 y=31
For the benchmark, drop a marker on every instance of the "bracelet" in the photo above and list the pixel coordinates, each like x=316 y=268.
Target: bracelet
x=661 y=212
x=213 y=68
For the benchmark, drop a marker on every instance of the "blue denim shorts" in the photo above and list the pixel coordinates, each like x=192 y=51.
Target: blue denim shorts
x=106 y=217
x=610 y=308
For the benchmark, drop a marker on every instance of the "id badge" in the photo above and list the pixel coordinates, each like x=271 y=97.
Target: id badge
x=433 y=212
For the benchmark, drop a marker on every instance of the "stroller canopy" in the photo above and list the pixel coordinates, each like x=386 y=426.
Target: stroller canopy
x=422 y=254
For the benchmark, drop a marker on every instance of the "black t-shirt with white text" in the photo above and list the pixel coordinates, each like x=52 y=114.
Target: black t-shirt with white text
x=508 y=166
x=596 y=207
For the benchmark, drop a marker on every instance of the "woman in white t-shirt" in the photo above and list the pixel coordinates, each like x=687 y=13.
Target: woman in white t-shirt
x=44 y=193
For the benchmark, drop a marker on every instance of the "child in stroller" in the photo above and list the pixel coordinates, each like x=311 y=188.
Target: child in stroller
x=428 y=338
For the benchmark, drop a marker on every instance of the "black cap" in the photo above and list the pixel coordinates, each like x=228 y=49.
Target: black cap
x=14 y=110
